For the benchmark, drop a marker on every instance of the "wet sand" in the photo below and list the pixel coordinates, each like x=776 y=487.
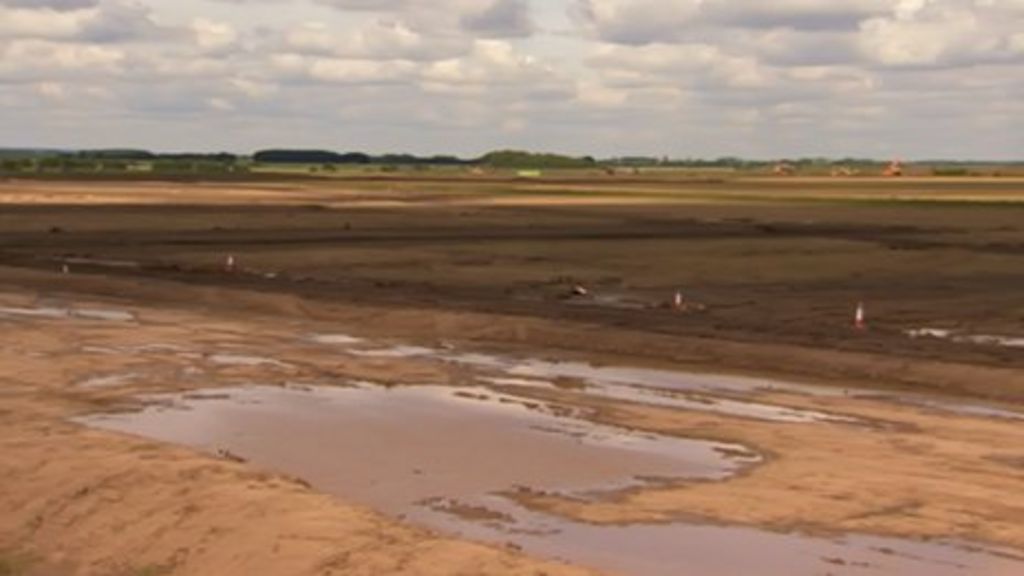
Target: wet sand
x=442 y=457
x=624 y=438
x=604 y=466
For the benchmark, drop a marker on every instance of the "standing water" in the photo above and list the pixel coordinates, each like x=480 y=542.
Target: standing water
x=446 y=457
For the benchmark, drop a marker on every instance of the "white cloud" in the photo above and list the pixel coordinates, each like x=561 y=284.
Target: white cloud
x=491 y=65
x=942 y=32
x=54 y=4
x=51 y=90
x=379 y=39
x=37 y=56
x=213 y=36
x=106 y=22
x=220 y=104
x=586 y=76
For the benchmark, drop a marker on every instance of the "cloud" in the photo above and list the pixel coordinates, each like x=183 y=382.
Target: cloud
x=793 y=14
x=107 y=22
x=369 y=5
x=52 y=4
x=213 y=36
x=490 y=19
x=677 y=77
x=490 y=63
x=378 y=39
x=636 y=21
x=502 y=18
x=943 y=33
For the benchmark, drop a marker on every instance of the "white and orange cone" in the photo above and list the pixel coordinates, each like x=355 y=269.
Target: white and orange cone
x=677 y=301
x=229 y=263
x=860 y=317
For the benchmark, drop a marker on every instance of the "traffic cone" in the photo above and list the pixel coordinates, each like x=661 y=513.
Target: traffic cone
x=229 y=263
x=859 y=318
x=677 y=301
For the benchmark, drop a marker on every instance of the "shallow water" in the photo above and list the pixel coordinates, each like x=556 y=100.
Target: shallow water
x=335 y=339
x=108 y=315
x=394 y=352
x=691 y=401
x=36 y=312
x=55 y=312
x=107 y=381
x=415 y=443
x=678 y=549
x=979 y=339
x=226 y=359
x=442 y=457
x=679 y=389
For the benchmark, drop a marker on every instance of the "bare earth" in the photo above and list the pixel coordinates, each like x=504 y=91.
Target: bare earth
x=485 y=267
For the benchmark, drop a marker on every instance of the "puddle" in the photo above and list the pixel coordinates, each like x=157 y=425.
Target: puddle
x=696 y=402
x=441 y=457
x=224 y=359
x=108 y=315
x=335 y=339
x=706 y=550
x=395 y=352
x=948 y=406
x=979 y=339
x=417 y=443
x=702 y=392
x=39 y=312
x=52 y=312
x=677 y=389
x=102 y=263
x=609 y=301
x=106 y=381
x=615 y=375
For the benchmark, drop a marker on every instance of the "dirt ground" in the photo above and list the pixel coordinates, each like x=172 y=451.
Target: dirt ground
x=771 y=272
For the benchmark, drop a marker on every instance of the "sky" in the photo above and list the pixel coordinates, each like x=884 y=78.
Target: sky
x=678 y=78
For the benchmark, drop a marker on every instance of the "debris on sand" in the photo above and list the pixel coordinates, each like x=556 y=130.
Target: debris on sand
x=860 y=317
x=680 y=303
x=575 y=289
x=229 y=455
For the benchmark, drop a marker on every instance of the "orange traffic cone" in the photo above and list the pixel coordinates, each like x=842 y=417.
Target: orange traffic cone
x=229 y=263
x=859 y=318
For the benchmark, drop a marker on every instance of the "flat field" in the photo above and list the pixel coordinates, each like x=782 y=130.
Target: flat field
x=556 y=296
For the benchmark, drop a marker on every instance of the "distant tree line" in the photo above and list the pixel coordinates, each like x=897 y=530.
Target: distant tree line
x=127 y=163
x=329 y=157
x=136 y=162
x=498 y=159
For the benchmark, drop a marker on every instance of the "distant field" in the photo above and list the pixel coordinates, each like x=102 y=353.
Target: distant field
x=629 y=303
x=774 y=259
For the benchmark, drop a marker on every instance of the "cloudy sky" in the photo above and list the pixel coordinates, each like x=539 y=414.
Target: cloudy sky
x=880 y=78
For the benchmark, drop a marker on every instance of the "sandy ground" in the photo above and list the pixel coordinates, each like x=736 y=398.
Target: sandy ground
x=77 y=501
